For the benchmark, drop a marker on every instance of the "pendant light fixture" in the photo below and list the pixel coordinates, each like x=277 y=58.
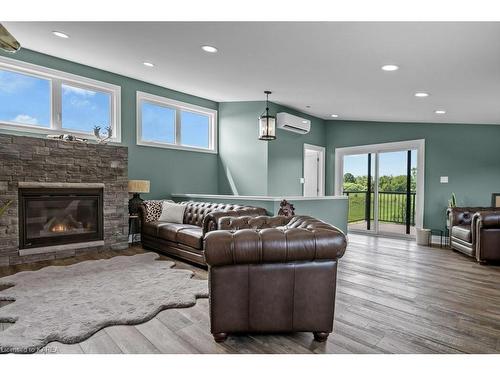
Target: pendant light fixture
x=267 y=123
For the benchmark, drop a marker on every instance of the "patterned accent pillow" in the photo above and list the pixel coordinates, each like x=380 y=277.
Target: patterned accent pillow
x=153 y=209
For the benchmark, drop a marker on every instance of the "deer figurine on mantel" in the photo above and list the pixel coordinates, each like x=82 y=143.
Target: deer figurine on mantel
x=103 y=139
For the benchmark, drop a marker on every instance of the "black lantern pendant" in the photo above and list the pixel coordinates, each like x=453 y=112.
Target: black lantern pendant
x=267 y=123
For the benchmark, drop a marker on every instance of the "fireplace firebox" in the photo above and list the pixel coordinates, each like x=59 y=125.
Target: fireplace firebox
x=58 y=216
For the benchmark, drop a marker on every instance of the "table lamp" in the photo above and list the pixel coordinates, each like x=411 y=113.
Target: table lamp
x=136 y=187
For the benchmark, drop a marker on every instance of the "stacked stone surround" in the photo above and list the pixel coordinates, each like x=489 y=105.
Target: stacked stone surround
x=38 y=160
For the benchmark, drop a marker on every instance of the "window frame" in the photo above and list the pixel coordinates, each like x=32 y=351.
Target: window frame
x=56 y=80
x=178 y=106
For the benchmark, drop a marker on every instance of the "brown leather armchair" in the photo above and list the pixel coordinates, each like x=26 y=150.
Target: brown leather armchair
x=475 y=231
x=273 y=274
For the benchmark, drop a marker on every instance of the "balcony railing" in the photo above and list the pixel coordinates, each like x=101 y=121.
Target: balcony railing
x=391 y=208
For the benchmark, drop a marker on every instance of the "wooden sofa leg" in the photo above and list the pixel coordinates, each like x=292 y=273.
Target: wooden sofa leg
x=220 y=337
x=320 y=336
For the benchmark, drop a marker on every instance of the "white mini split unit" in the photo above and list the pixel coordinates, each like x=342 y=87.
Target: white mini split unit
x=293 y=123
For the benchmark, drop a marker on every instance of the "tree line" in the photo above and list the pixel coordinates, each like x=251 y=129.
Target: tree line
x=386 y=183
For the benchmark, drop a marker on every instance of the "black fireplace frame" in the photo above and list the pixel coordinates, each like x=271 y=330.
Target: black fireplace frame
x=26 y=194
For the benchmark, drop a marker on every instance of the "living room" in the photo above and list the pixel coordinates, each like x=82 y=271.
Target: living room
x=249 y=187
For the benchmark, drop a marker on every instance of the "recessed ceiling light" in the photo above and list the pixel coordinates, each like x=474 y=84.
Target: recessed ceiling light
x=390 y=67
x=209 y=49
x=308 y=106
x=439 y=111
x=334 y=116
x=421 y=94
x=148 y=64
x=60 y=34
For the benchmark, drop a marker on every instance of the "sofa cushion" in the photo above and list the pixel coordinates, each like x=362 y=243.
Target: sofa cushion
x=462 y=232
x=190 y=235
x=152 y=228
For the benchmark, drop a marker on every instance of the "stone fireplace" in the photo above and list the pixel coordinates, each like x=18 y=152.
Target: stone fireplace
x=67 y=198
x=59 y=216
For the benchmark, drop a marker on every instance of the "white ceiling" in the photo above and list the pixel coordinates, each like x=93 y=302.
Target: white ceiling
x=334 y=67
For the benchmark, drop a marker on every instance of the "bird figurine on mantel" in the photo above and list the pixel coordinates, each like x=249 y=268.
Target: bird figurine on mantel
x=103 y=139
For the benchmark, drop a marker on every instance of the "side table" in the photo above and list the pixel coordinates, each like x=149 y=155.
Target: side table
x=443 y=237
x=134 y=224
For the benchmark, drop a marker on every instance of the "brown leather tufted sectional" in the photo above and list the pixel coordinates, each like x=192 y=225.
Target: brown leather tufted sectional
x=475 y=231
x=186 y=240
x=273 y=274
x=266 y=274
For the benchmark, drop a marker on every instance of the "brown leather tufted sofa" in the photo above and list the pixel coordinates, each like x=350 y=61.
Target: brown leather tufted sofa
x=273 y=274
x=186 y=240
x=475 y=231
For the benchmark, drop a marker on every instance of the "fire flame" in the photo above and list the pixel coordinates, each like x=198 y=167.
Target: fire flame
x=59 y=228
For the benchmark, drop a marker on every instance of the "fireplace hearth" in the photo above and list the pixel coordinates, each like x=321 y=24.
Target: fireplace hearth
x=58 y=216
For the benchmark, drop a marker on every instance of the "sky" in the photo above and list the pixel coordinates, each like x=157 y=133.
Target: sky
x=390 y=163
x=158 y=125
x=25 y=99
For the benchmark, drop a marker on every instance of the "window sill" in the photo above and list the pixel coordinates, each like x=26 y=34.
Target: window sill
x=29 y=129
x=176 y=147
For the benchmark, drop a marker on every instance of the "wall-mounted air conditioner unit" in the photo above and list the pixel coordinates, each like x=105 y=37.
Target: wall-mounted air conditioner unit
x=293 y=123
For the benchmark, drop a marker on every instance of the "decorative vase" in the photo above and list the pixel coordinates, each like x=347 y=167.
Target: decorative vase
x=134 y=203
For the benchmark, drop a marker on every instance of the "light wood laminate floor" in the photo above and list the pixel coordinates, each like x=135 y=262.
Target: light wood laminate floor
x=392 y=297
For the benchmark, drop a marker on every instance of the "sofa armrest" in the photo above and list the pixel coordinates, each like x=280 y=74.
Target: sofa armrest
x=487 y=219
x=211 y=220
x=302 y=239
x=449 y=212
x=464 y=215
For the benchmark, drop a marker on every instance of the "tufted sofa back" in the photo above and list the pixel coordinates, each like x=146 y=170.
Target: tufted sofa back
x=463 y=215
x=264 y=222
x=203 y=214
x=252 y=222
x=197 y=211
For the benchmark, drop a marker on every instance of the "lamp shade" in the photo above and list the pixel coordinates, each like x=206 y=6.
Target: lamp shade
x=138 y=186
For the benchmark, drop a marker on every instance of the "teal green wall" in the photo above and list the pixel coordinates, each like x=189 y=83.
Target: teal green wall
x=242 y=157
x=249 y=166
x=170 y=171
x=468 y=154
x=286 y=154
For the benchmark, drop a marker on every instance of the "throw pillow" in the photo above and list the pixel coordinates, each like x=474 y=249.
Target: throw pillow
x=172 y=212
x=153 y=209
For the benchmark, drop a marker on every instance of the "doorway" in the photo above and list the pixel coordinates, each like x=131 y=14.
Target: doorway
x=384 y=184
x=314 y=171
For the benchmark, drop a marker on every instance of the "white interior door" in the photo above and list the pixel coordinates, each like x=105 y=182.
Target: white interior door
x=314 y=171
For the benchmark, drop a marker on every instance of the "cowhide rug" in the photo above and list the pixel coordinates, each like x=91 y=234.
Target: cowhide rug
x=70 y=303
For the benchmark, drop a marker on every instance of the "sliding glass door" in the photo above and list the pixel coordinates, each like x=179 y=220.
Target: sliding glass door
x=397 y=172
x=381 y=185
x=358 y=185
